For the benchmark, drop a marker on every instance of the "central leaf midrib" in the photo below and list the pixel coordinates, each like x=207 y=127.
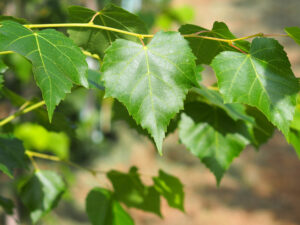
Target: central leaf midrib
x=45 y=69
x=149 y=80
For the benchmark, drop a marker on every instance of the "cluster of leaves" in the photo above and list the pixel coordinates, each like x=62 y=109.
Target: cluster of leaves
x=158 y=84
x=41 y=191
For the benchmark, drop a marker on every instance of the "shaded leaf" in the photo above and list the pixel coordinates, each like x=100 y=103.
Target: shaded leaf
x=211 y=135
x=57 y=62
x=7 y=205
x=263 y=78
x=102 y=209
x=294 y=139
x=129 y=189
x=41 y=193
x=205 y=50
x=15 y=19
x=97 y=40
x=59 y=122
x=3 y=68
x=150 y=81
x=12 y=154
x=170 y=188
x=235 y=110
x=261 y=130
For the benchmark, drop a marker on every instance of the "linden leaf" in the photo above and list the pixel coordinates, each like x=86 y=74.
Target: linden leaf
x=102 y=209
x=205 y=49
x=263 y=79
x=211 y=135
x=151 y=81
x=41 y=193
x=57 y=62
x=96 y=40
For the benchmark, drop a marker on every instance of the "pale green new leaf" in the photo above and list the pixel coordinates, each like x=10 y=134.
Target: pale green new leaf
x=41 y=193
x=97 y=40
x=263 y=78
x=151 y=81
x=102 y=209
x=211 y=135
x=57 y=62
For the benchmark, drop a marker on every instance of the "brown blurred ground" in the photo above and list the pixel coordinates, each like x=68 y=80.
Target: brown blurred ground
x=261 y=188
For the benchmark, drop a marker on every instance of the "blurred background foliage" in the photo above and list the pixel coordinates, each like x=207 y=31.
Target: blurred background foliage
x=83 y=129
x=259 y=188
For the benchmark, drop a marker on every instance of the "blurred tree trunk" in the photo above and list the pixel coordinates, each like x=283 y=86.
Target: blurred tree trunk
x=20 y=8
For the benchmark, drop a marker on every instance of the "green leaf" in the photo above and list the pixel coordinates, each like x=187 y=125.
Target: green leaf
x=41 y=193
x=205 y=49
x=120 y=113
x=294 y=135
x=57 y=62
x=15 y=19
x=129 y=189
x=294 y=139
x=7 y=205
x=211 y=135
x=102 y=209
x=235 y=110
x=151 y=81
x=294 y=32
x=12 y=155
x=170 y=188
x=36 y=137
x=263 y=78
x=261 y=130
x=19 y=66
x=3 y=68
x=96 y=40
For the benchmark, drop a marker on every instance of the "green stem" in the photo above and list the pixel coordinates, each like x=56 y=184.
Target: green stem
x=142 y=36
x=87 y=25
x=21 y=112
x=32 y=154
x=6 y=52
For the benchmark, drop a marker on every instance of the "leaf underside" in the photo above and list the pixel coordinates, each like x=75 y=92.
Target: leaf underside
x=211 y=135
x=41 y=193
